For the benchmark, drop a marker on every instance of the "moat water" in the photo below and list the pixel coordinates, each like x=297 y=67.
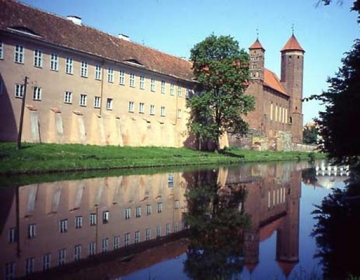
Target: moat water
x=251 y=221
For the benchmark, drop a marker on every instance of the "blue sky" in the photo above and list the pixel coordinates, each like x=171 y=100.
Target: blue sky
x=175 y=26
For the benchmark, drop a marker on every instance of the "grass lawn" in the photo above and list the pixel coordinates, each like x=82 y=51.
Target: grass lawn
x=48 y=158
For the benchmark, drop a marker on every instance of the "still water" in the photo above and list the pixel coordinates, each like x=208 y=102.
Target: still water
x=238 y=222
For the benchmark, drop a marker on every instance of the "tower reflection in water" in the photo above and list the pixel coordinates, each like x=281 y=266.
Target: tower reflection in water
x=113 y=226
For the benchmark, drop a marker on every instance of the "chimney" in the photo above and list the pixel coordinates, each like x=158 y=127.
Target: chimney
x=124 y=37
x=75 y=19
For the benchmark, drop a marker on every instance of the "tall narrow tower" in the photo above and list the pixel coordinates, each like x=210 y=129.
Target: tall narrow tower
x=257 y=61
x=292 y=68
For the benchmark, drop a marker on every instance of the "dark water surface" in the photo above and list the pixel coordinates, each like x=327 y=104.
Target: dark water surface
x=243 y=222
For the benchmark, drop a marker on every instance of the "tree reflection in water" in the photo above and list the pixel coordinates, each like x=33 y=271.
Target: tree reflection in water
x=217 y=221
x=337 y=233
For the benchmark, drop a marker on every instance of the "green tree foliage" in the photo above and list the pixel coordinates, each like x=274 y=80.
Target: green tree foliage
x=340 y=134
x=337 y=233
x=221 y=70
x=355 y=7
x=310 y=135
x=217 y=223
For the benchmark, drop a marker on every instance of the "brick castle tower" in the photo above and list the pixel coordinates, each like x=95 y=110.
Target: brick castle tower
x=292 y=69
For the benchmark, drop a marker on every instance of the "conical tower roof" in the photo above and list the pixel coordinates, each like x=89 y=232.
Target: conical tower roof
x=256 y=45
x=287 y=267
x=292 y=45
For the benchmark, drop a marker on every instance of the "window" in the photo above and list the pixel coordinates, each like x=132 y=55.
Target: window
x=142 y=82
x=68 y=97
x=10 y=270
x=78 y=221
x=132 y=80
x=63 y=226
x=170 y=180
x=183 y=224
x=46 y=261
x=110 y=75
x=127 y=213
x=152 y=85
x=97 y=102
x=84 y=69
x=148 y=234
x=97 y=72
x=177 y=204
x=104 y=245
x=109 y=102
x=162 y=111
x=36 y=93
x=162 y=86
x=105 y=217
x=29 y=266
x=138 y=212
x=69 y=69
x=116 y=242
x=137 y=237
x=54 y=62
x=1 y=50
x=158 y=231
x=179 y=113
x=187 y=94
x=92 y=219
x=31 y=231
x=131 y=106
x=122 y=77
x=19 y=90
x=167 y=229
x=148 y=209
x=127 y=239
x=77 y=252
x=159 y=207
x=12 y=235
x=92 y=248
x=19 y=54
x=141 y=108
x=179 y=91
x=172 y=89
x=38 y=56
x=62 y=257
x=83 y=98
x=152 y=110
x=176 y=227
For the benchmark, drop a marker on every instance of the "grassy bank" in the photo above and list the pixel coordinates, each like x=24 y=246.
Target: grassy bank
x=47 y=158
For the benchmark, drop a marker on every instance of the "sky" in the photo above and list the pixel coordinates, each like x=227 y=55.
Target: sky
x=175 y=26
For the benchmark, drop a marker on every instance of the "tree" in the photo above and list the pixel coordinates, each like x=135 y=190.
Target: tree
x=216 y=228
x=310 y=134
x=355 y=7
x=337 y=233
x=340 y=135
x=221 y=71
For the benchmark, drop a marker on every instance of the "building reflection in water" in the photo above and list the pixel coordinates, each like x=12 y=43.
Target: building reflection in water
x=114 y=226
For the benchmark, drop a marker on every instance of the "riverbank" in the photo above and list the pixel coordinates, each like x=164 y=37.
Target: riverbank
x=52 y=158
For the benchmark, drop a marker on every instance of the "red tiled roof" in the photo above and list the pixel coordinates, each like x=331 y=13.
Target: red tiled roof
x=272 y=81
x=267 y=230
x=256 y=45
x=292 y=45
x=60 y=31
x=287 y=267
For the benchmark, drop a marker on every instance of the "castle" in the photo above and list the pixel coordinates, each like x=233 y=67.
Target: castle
x=86 y=86
x=48 y=228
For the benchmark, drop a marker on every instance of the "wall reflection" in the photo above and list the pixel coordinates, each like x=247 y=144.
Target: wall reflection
x=114 y=226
